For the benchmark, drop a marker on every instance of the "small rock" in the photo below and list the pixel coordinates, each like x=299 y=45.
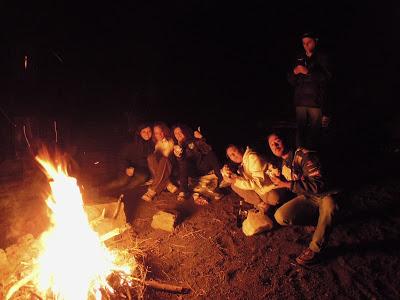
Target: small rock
x=164 y=221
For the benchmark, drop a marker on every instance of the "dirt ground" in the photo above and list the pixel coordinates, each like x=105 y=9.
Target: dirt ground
x=211 y=256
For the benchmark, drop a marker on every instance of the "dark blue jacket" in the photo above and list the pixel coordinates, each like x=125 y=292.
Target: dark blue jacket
x=310 y=90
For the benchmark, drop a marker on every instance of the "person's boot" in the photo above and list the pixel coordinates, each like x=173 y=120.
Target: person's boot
x=181 y=197
x=172 y=188
x=307 y=257
x=218 y=194
x=199 y=199
x=149 y=195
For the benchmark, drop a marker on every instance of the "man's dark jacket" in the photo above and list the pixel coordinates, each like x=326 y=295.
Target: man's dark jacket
x=310 y=90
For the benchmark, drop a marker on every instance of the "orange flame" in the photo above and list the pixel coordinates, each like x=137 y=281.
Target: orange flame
x=74 y=263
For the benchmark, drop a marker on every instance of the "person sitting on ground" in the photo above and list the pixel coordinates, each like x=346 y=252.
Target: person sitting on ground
x=160 y=162
x=251 y=181
x=133 y=161
x=302 y=174
x=195 y=159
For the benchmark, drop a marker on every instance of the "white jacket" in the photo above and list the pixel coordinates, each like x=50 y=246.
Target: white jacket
x=253 y=171
x=165 y=147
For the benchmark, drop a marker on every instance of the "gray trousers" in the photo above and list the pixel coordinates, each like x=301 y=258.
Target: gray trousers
x=309 y=122
x=302 y=210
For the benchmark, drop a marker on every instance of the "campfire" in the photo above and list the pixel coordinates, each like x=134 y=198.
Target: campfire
x=73 y=261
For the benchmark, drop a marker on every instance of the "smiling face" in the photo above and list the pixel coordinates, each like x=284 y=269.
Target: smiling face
x=234 y=154
x=179 y=135
x=276 y=144
x=158 y=133
x=145 y=133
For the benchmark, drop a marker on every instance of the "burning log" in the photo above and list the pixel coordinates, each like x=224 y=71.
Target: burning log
x=114 y=232
x=72 y=259
x=117 y=209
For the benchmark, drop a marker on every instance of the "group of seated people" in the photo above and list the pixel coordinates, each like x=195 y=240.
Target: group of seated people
x=294 y=186
x=167 y=159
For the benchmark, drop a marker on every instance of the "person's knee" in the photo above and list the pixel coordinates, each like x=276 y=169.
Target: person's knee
x=273 y=198
x=328 y=206
x=281 y=218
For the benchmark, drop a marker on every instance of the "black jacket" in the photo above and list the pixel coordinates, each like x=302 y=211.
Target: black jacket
x=310 y=90
x=135 y=153
x=303 y=170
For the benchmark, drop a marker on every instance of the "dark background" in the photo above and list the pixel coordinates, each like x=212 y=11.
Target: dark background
x=218 y=64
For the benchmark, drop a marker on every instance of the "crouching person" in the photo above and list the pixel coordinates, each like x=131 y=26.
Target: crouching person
x=302 y=172
x=196 y=159
x=252 y=182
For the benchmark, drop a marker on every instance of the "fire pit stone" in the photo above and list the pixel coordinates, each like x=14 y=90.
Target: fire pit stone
x=164 y=220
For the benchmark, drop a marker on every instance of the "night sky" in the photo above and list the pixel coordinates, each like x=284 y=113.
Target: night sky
x=201 y=62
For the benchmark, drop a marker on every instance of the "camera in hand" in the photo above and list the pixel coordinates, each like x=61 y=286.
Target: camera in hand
x=301 y=62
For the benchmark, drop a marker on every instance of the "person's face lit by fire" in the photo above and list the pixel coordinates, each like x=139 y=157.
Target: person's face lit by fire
x=158 y=133
x=309 y=45
x=276 y=144
x=180 y=137
x=145 y=133
x=234 y=154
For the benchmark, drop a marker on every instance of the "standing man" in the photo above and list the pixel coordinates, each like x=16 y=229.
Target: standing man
x=302 y=175
x=309 y=78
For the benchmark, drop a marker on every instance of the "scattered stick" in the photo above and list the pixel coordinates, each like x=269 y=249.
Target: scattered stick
x=179 y=246
x=26 y=138
x=36 y=295
x=19 y=284
x=164 y=286
x=191 y=233
x=55 y=130
x=128 y=293
x=116 y=212
x=112 y=233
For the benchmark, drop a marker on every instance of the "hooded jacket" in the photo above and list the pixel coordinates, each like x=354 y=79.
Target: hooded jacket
x=253 y=174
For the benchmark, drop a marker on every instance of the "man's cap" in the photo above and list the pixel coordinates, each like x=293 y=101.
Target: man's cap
x=309 y=34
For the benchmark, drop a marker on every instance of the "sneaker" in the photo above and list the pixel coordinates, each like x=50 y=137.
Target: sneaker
x=171 y=188
x=181 y=197
x=218 y=196
x=217 y=193
x=223 y=184
x=149 y=195
x=199 y=199
x=149 y=182
x=307 y=257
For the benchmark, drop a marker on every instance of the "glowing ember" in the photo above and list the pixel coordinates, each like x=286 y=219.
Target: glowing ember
x=74 y=264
